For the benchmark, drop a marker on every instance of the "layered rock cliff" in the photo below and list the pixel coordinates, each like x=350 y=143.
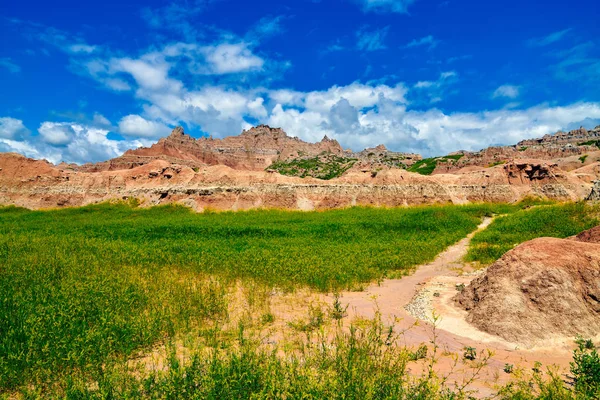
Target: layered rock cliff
x=235 y=173
x=565 y=148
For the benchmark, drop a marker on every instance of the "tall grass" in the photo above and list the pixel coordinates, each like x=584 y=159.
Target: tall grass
x=362 y=363
x=85 y=288
x=326 y=250
x=559 y=220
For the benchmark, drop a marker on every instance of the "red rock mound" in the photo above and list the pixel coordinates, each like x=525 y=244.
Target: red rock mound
x=254 y=150
x=590 y=236
x=542 y=289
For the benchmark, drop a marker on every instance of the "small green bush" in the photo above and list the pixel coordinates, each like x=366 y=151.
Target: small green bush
x=470 y=353
x=586 y=369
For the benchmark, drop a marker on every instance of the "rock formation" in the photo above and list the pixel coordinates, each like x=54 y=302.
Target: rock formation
x=239 y=172
x=254 y=149
x=589 y=236
x=543 y=289
x=560 y=146
x=595 y=193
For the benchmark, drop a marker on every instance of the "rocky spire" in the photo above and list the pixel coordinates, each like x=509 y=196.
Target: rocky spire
x=178 y=131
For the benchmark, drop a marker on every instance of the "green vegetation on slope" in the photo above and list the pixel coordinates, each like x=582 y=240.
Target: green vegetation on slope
x=590 y=143
x=323 y=167
x=560 y=220
x=427 y=165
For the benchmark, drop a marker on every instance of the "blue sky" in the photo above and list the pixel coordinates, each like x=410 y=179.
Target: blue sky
x=84 y=81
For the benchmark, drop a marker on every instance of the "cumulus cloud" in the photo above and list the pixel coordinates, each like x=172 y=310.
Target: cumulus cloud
x=382 y=6
x=19 y=146
x=430 y=132
x=149 y=72
x=357 y=115
x=444 y=133
x=231 y=58
x=11 y=128
x=343 y=116
x=507 y=91
x=134 y=125
x=56 y=134
x=100 y=120
x=63 y=141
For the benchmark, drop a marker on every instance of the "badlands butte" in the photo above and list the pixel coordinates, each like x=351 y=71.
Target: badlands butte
x=264 y=167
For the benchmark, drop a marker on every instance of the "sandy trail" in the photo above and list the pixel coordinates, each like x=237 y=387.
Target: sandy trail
x=392 y=295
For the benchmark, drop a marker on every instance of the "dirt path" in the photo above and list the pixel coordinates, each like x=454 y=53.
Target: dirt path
x=393 y=295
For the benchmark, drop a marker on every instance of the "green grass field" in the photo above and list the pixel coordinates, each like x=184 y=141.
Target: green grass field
x=84 y=289
x=560 y=221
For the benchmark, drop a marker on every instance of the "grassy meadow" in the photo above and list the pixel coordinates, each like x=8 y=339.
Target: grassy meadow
x=504 y=233
x=83 y=290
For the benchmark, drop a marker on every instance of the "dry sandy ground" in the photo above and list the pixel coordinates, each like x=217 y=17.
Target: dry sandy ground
x=409 y=303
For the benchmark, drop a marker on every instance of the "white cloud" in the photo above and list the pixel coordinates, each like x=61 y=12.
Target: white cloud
x=256 y=108
x=11 y=128
x=364 y=121
x=81 y=48
x=549 y=39
x=117 y=84
x=151 y=72
x=134 y=125
x=78 y=143
x=56 y=134
x=229 y=58
x=265 y=27
x=397 y=6
x=21 y=147
x=428 y=132
x=445 y=78
x=358 y=95
x=66 y=141
x=371 y=40
x=473 y=131
x=433 y=91
x=100 y=120
x=508 y=91
x=429 y=41
x=357 y=114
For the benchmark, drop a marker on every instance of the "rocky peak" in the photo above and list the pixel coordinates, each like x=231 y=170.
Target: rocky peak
x=178 y=131
x=264 y=130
